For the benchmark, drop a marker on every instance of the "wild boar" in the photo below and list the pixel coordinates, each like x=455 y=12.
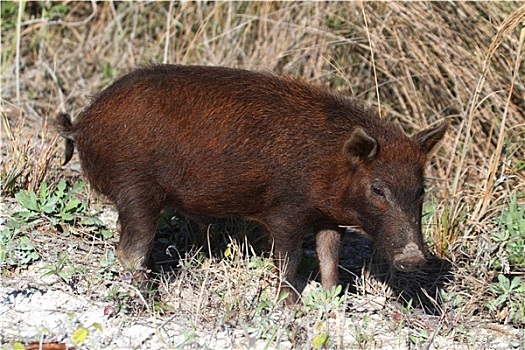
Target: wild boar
x=222 y=142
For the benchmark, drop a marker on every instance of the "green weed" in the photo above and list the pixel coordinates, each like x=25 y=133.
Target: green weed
x=511 y=234
x=16 y=248
x=322 y=339
x=123 y=299
x=261 y=323
x=190 y=336
x=361 y=332
x=61 y=208
x=54 y=11
x=54 y=207
x=509 y=302
x=8 y=10
x=63 y=269
x=419 y=339
x=323 y=302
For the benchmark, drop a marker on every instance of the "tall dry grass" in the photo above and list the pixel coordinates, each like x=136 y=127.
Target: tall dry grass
x=418 y=62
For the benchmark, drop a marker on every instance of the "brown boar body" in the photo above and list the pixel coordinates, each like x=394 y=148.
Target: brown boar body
x=220 y=142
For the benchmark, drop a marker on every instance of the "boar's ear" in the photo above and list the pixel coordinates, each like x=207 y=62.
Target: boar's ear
x=360 y=147
x=429 y=138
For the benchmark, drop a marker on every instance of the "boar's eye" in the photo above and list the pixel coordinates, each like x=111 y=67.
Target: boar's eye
x=378 y=192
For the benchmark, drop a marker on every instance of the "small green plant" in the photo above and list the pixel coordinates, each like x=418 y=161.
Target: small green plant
x=8 y=12
x=260 y=324
x=61 y=206
x=322 y=339
x=262 y=321
x=419 y=339
x=190 y=336
x=16 y=248
x=107 y=72
x=108 y=268
x=123 y=297
x=319 y=306
x=323 y=301
x=62 y=269
x=54 y=11
x=361 y=332
x=454 y=303
x=509 y=300
x=128 y=295
x=511 y=233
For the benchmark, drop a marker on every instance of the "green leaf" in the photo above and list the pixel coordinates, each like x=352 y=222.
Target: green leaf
x=320 y=341
x=18 y=346
x=338 y=290
x=26 y=216
x=79 y=335
x=98 y=326
x=27 y=200
x=51 y=270
x=25 y=243
x=61 y=188
x=43 y=193
x=72 y=204
x=106 y=234
x=413 y=339
x=66 y=216
x=91 y=221
x=283 y=296
x=504 y=282
x=520 y=289
x=62 y=261
x=78 y=186
x=227 y=252
x=50 y=205
x=500 y=300
x=64 y=275
x=74 y=231
x=34 y=203
x=516 y=282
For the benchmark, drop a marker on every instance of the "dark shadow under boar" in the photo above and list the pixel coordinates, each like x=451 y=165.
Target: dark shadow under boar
x=221 y=142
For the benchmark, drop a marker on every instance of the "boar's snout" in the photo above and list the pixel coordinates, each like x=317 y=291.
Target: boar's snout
x=409 y=259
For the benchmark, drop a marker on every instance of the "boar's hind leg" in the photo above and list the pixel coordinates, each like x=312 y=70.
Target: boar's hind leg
x=327 y=243
x=138 y=215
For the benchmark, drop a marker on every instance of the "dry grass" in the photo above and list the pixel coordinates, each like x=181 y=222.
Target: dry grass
x=419 y=62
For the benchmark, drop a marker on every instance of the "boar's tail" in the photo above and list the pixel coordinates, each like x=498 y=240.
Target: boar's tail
x=65 y=129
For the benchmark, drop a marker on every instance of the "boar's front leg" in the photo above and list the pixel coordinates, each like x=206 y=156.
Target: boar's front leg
x=287 y=241
x=139 y=211
x=327 y=245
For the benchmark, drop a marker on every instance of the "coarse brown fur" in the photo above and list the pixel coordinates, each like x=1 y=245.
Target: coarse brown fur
x=221 y=142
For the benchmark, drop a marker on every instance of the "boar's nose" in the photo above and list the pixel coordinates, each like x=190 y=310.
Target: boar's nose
x=409 y=259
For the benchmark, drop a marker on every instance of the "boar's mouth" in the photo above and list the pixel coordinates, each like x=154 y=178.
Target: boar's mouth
x=409 y=259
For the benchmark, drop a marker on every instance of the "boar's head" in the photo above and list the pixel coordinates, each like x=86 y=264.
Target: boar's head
x=387 y=188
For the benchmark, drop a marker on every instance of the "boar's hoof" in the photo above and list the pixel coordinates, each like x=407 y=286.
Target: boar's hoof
x=409 y=259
